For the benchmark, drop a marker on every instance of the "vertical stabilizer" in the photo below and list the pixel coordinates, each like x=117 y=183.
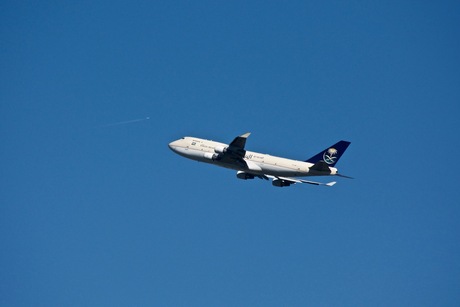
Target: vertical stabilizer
x=330 y=155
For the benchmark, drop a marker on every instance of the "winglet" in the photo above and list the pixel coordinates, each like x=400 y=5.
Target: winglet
x=330 y=184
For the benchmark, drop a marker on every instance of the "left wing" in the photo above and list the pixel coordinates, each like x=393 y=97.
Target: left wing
x=235 y=151
x=240 y=141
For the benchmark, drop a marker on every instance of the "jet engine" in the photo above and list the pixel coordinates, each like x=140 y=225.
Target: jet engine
x=211 y=156
x=281 y=183
x=244 y=175
x=220 y=149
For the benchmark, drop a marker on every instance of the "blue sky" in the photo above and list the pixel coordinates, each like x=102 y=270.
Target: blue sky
x=95 y=211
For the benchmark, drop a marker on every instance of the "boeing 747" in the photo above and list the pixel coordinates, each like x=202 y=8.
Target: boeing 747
x=250 y=165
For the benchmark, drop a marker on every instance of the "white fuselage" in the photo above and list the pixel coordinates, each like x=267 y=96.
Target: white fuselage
x=256 y=163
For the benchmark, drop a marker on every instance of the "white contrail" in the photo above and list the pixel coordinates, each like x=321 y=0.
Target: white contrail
x=127 y=122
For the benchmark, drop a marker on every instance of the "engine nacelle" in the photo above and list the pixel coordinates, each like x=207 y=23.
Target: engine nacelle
x=220 y=149
x=211 y=156
x=281 y=183
x=244 y=175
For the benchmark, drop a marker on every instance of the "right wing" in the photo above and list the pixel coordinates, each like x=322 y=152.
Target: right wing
x=287 y=181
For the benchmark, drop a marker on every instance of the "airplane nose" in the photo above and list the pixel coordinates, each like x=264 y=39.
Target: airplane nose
x=173 y=145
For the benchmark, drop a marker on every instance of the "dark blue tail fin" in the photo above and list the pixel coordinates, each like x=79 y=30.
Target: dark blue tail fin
x=330 y=155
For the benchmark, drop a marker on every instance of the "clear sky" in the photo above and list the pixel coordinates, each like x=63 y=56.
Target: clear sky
x=95 y=210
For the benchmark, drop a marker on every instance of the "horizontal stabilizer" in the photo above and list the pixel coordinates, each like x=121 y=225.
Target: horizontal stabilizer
x=320 y=166
x=340 y=175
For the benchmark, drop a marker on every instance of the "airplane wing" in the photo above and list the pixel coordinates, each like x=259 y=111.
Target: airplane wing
x=287 y=181
x=235 y=151
x=240 y=141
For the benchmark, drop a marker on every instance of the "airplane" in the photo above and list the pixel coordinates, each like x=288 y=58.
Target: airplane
x=250 y=165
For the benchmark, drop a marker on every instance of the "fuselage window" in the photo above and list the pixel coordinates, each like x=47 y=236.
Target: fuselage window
x=193 y=143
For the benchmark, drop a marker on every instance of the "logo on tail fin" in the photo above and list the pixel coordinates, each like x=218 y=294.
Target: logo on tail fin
x=330 y=156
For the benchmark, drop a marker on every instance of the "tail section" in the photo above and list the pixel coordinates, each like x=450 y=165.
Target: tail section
x=330 y=155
